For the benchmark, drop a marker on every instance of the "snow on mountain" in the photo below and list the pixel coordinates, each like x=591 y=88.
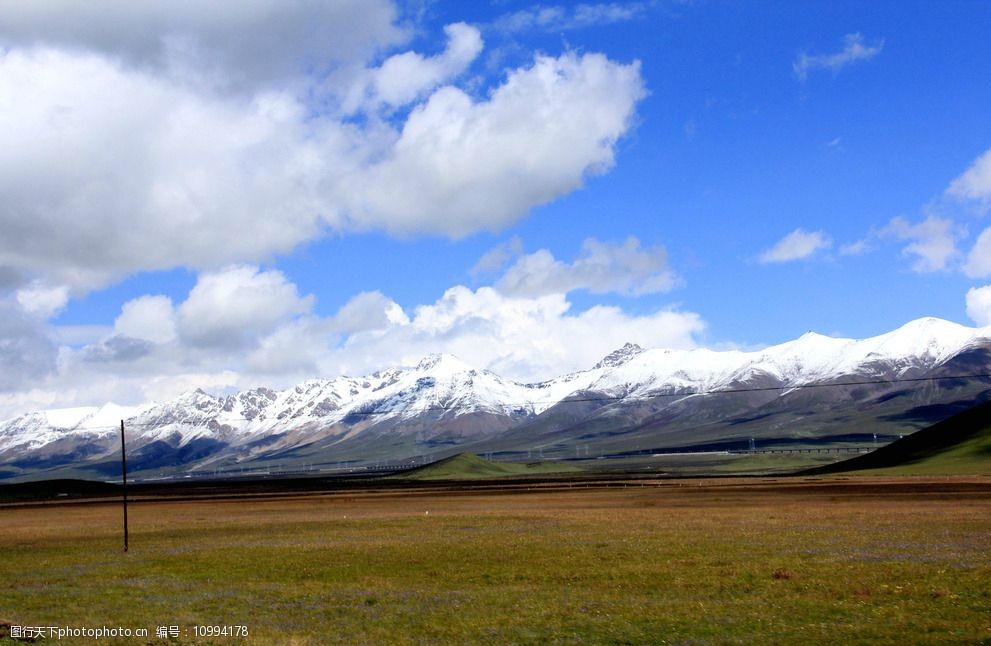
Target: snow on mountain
x=67 y=417
x=447 y=387
x=921 y=344
x=442 y=387
x=619 y=357
x=812 y=358
x=35 y=430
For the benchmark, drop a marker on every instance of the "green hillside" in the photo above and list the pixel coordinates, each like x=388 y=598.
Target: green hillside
x=468 y=466
x=960 y=445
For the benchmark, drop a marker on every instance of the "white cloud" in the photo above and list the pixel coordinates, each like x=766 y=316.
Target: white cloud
x=230 y=42
x=979 y=305
x=231 y=307
x=461 y=166
x=203 y=179
x=107 y=171
x=498 y=257
x=858 y=247
x=606 y=13
x=601 y=267
x=975 y=183
x=298 y=348
x=561 y=18
x=527 y=338
x=978 y=263
x=236 y=328
x=44 y=301
x=151 y=318
x=854 y=49
x=933 y=241
x=402 y=78
x=368 y=311
x=80 y=335
x=27 y=352
x=797 y=245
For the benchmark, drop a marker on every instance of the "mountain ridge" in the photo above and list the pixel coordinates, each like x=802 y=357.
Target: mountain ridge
x=443 y=403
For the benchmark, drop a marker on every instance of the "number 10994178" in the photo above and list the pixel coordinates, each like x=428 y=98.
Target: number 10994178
x=220 y=631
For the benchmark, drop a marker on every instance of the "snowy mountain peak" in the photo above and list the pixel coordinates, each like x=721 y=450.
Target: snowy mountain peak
x=196 y=398
x=619 y=357
x=443 y=363
x=930 y=326
x=931 y=337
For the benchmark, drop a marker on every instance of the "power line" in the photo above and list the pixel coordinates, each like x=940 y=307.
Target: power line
x=576 y=400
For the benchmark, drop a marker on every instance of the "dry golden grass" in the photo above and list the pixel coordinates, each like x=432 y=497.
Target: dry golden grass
x=718 y=561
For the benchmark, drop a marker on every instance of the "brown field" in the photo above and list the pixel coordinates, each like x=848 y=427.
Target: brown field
x=786 y=561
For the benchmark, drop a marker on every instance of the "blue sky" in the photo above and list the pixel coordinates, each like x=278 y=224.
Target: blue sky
x=262 y=192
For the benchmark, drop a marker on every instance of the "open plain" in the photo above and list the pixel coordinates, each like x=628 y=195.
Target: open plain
x=712 y=561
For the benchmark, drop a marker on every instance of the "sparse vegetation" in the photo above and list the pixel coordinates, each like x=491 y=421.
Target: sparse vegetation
x=468 y=466
x=707 y=561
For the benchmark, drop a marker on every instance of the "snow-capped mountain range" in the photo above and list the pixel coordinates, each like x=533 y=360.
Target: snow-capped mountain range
x=443 y=403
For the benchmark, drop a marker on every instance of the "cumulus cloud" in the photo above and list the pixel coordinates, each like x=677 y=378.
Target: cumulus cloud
x=854 y=49
x=230 y=42
x=296 y=350
x=228 y=308
x=797 y=245
x=107 y=168
x=979 y=305
x=368 y=311
x=117 y=349
x=228 y=314
x=42 y=300
x=498 y=257
x=526 y=338
x=978 y=263
x=106 y=171
x=151 y=318
x=229 y=332
x=600 y=268
x=461 y=166
x=975 y=182
x=933 y=241
x=405 y=77
x=27 y=352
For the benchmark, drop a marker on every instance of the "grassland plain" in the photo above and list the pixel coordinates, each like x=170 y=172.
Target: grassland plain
x=789 y=561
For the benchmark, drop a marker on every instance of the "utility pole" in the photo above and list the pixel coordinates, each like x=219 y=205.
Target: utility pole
x=123 y=475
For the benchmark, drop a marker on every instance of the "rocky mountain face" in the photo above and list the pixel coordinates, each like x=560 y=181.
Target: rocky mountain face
x=812 y=389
